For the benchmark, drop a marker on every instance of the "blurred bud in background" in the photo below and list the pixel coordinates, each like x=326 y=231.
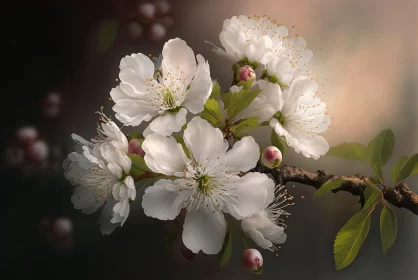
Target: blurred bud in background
x=51 y=105
x=162 y=7
x=157 y=31
x=38 y=152
x=58 y=232
x=146 y=11
x=135 y=30
x=27 y=135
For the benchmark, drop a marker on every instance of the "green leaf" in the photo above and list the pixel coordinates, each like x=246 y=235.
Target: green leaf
x=258 y=271
x=350 y=151
x=138 y=165
x=406 y=168
x=227 y=245
x=371 y=195
x=216 y=91
x=380 y=149
x=397 y=167
x=328 y=186
x=106 y=34
x=388 y=227
x=245 y=84
x=144 y=183
x=235 y=102
x=244 y=240
x=245 y=124
x=278 y=142
x=134 y=135
x=415 y=171
x=180 y=140
x=211 y=112
x=350 y=238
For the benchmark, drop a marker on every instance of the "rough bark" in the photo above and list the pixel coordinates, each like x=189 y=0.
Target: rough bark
x=400 y=196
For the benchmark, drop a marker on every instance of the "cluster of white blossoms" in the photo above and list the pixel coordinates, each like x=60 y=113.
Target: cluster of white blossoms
x=204 y=173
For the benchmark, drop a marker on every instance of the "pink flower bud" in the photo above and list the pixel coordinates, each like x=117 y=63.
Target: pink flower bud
x=146 y=11
x=38 y=151
x=271 y=157
x=135 y=30
x=157 y=31
x=252 y=260
x=163 y=7
x=27 y=135
x=245 y=73
x=62 y=227
x=52 y=105
x=135 y=147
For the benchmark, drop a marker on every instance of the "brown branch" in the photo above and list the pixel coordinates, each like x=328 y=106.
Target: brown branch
x=400 y=196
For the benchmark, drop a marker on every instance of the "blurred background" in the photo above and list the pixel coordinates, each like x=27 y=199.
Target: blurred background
x=62 y=58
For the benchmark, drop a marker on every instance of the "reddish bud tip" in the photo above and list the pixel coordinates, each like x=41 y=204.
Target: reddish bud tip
x=252 y=260
x=271 y=157
x=135 y=147
x=245 y=73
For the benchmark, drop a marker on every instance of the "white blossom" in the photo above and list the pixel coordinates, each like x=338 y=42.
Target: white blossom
x=207 y=184
x=165 y=94
x=99 y=170
x=300 y=117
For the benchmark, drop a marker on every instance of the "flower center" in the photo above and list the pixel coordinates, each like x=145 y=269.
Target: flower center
x=280 y=117
x=203 y=183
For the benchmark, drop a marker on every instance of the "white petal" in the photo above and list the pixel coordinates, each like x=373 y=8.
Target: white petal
x=311 y=145
x=163 y=154
x=204 y=230
x=200 y=87
x=204 y=141
x=178 y=56
x=259 y=239
x=251 y=192
x=107 y=227
x=169 y=123
x=243 y=156
x=297 y=88
x=133 y=112
x=162 y=201
x=135 y=70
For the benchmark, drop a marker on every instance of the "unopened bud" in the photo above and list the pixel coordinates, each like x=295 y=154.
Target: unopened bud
x=157 y=31
x=52 y=105
x=135 y=147
x=27 y=135
x=252 y=260
x=245 y=73
x=146 y=11
x=62 y=227
x=271 y=157
x=162 y=7
x=38 y=151
x=135 y=30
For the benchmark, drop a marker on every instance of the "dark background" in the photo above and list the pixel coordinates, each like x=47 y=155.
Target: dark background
x=369 y=50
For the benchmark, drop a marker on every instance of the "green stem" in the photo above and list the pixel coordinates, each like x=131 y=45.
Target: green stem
x=244 y=240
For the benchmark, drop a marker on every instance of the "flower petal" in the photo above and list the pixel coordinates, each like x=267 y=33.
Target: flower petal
x=204 y=230
x=204 y=141
x=310 y=144
x=200 y=87
x=178 y=56
x=135 y=69
x=249 y=195
x=259 y=239
x=243 y=156
x=163 y=155
x=106 y=226
x=169 y=123
x=162 y=201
